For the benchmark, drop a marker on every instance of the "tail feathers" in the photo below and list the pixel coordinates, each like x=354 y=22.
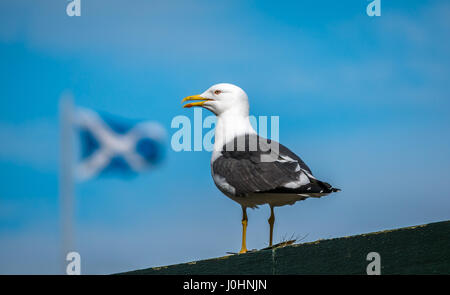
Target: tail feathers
x=315 y=187
x=326 y=187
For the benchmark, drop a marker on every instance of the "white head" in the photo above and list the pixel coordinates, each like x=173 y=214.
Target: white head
x=221 y=98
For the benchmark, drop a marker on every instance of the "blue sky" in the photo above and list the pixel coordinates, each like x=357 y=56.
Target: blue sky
x=364 y=101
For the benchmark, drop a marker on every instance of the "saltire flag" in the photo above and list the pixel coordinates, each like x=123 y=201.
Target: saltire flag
x=113 y=145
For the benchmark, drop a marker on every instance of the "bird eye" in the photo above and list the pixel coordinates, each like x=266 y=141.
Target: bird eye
x=217 y=92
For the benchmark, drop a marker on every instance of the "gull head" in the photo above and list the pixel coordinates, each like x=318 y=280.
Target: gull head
x=219 y=99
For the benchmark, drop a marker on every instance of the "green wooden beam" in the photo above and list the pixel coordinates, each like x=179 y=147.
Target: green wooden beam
x=423 y=249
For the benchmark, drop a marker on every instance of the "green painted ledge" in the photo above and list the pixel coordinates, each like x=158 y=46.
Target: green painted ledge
x=423 y=249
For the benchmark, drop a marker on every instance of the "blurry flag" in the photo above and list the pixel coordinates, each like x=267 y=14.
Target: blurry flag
x=112 y=145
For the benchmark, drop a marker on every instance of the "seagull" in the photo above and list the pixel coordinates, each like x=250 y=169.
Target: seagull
x=249 y=169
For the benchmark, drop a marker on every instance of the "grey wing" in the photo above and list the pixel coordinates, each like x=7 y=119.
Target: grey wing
x=248 y=172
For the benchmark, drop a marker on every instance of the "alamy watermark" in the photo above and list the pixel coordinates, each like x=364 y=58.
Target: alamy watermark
x=374 y=267
x=190 y=136
x=73 y=8
x=374 y=8
x=74 y=265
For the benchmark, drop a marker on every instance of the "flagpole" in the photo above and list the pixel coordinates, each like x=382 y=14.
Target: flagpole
x=66 y=180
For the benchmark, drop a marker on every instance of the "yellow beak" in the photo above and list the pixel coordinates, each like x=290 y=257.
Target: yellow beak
x=202 y=100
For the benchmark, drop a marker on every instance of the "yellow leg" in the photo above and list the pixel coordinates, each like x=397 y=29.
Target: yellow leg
x=244 y=230
x=271 y=222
